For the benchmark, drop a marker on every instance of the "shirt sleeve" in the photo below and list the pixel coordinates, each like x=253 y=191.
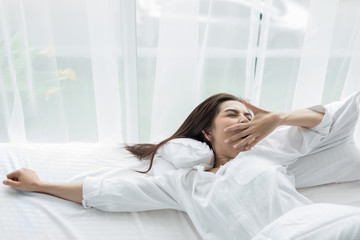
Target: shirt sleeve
x=344 y=116
x=287 y=143
x=127 y=195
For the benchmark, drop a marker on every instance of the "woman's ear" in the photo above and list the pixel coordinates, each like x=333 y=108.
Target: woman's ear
x=207 y=135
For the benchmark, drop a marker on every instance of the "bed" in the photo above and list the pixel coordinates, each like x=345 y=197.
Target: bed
x=40 y=216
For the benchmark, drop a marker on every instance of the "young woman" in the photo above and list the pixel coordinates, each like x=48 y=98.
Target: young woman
x=243 y=192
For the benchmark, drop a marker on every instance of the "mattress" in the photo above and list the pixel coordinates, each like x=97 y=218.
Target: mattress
x=41 y=216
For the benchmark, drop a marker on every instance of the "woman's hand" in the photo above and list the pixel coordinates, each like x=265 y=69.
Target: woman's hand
x=28 y=181
x=23 y=179
x=247 y=135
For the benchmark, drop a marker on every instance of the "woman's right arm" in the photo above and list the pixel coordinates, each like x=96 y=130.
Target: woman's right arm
x=28 y=181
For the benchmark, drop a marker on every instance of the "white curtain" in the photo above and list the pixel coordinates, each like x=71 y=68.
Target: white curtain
x=131 y=71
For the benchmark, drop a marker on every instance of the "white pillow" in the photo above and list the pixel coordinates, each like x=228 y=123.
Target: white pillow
x=182 y=153
x=337 y=164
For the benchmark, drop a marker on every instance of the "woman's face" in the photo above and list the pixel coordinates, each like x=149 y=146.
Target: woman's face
x=230 y=113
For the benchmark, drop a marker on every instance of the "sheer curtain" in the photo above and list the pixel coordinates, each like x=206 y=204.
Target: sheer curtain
x=131 y=71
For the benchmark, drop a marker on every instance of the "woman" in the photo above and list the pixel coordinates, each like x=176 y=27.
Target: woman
x=223 y=122
x=221 y=205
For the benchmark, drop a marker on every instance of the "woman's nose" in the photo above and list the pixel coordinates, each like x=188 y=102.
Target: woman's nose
x=243 y=119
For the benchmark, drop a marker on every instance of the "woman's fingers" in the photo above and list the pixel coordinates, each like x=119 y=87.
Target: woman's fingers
x=246 y=142
x=13 y=175
x=253 y=108
x=253 y=143
x=247 y=135
x=11 y=183
x=237 y=136
x=240 y=138
x=237 y=126
x=12 y=179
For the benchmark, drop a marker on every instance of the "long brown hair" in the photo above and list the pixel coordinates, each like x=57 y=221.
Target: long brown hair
x=201 y=118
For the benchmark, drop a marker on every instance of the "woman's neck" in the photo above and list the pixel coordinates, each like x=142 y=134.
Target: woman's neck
x=220 y=160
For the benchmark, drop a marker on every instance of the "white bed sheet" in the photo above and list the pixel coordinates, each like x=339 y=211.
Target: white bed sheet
x=40 y=216
x=347 y=193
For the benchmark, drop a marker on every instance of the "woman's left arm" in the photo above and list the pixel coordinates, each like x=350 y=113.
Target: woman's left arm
x=107 y=194
x=27 y=180
x=247 y=135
